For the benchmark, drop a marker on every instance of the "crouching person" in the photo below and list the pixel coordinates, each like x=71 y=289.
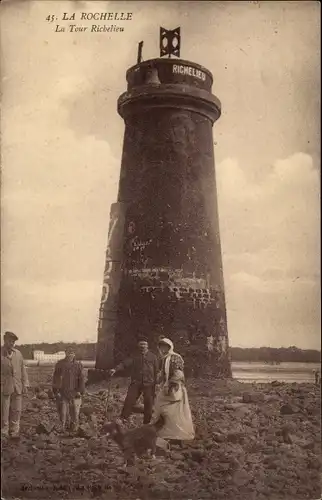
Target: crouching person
x=68 y=387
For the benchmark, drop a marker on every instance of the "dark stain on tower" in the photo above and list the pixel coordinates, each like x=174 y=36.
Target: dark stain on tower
x=163 y=273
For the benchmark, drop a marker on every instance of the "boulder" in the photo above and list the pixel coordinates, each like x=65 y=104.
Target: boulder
x=286 y=409
x=198 y=455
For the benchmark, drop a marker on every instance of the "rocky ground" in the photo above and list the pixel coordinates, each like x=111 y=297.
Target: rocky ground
x=252 y=442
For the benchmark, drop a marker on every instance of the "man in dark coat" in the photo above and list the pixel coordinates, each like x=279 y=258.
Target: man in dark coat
x=69 y=386
x=144 y=369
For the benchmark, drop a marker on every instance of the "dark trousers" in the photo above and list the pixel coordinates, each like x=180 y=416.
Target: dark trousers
x=134 y=392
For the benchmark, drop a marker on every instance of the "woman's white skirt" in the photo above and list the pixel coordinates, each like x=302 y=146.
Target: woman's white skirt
x=177 y=414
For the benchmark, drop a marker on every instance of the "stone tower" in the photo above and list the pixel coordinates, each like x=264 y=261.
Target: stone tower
x=163 y=273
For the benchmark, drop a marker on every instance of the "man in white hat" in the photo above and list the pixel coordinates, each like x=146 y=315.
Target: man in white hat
x=14 y=383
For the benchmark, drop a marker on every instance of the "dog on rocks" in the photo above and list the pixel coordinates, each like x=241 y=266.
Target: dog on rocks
x=134 y=442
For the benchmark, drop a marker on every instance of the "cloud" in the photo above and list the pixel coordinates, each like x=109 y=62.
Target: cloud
x=60 y=310
x=271 y=247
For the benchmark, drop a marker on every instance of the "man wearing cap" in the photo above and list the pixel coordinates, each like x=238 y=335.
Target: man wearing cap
x=68 y=387
x=14 y=383
x=144 y=368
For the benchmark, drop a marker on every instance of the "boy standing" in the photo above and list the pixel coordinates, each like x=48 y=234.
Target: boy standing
x=69 y=386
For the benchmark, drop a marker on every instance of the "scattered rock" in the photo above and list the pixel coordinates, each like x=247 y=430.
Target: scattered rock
x=241 y=477
x=255 y=397
x=87 y=410
x=50 y=394
x=219 y=438
x=42 y=395
x=308 y=445
x=44 y=427
x=176 y=456
x=235 y=437
x=198 y=455
x=52 y=438
x=312 y=410
x=314 y=463
x=85 y=431
x=286 y=409
x=80 y=464
x=286 y=436
x=238 y=451
x=40 y=445
x=36 y=404
x=183 y=466
x=53 y=446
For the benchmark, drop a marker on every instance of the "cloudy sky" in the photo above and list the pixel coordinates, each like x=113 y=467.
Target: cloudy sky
x=62 y=144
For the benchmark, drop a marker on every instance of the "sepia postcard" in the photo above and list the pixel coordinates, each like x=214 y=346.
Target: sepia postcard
x=160 y=250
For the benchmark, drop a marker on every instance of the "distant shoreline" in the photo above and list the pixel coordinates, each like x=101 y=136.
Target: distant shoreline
x=86 y=351
x=258 y=373
x=239 y=365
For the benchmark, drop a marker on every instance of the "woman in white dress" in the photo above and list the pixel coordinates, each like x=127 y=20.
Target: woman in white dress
x=171 y=361
x=172 y=400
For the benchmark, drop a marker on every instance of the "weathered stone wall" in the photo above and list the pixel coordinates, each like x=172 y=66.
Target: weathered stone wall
x=110 y=290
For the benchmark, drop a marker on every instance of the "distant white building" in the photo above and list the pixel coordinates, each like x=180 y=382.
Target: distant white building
x=41 y=356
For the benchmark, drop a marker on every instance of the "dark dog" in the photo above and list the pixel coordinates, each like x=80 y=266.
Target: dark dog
x=134 y=442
